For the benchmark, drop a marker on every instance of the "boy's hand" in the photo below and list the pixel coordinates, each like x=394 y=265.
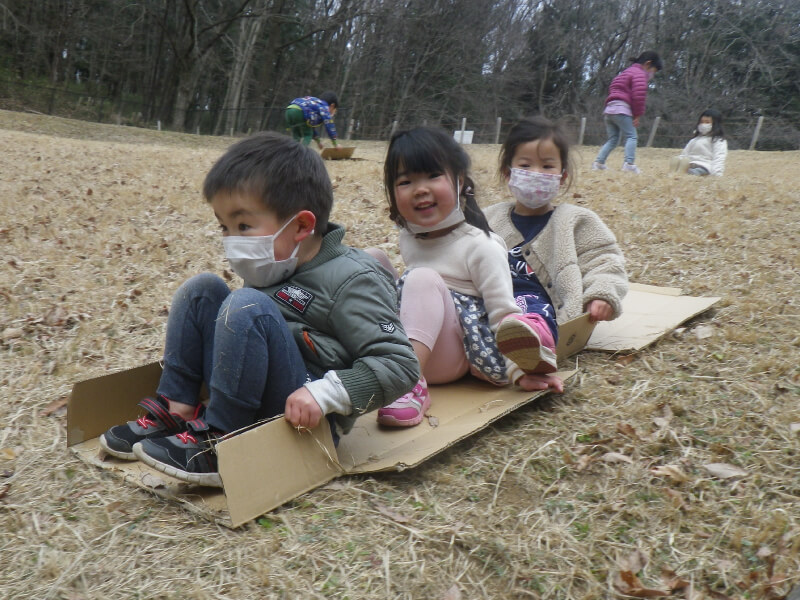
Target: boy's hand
x=599 y=310
x=532 y=383
x=302 y=410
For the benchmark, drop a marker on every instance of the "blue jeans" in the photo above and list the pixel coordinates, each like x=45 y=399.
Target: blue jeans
x=236 y=342
x=619 y=126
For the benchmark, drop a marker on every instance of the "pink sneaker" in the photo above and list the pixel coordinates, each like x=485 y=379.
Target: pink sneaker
x=408 y=409
x=526 y=339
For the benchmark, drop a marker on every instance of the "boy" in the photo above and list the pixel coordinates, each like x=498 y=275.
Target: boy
x=305 y=115
x=314 y=331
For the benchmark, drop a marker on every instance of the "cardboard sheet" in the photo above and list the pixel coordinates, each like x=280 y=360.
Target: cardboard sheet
x=458 y=410
x=648 y=314
x=272 y=463
x=337 y=153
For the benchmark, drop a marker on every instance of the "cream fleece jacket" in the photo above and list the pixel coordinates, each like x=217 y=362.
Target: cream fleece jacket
x=575 y=257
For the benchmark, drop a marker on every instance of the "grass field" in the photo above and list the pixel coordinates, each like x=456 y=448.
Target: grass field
x=602 y=491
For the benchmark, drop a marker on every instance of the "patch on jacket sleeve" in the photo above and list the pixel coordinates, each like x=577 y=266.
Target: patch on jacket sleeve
x=388 y=327
x=294 y=297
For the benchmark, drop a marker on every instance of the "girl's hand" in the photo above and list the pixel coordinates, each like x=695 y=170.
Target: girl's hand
x=599 y=310
x=302 y=410
x=534 y=383
x=635 y=121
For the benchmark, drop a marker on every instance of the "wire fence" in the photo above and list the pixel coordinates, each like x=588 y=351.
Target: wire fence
x=747 y=133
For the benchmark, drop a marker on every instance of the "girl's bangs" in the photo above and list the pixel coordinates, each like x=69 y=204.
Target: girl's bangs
x=409 y=155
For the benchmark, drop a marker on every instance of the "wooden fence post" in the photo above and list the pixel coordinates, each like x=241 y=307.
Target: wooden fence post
x=350 y=124
x=463 y=128
x=653 y=132
x=755 y=133
x=583 y=130
x=497 y=130
x=394 y=128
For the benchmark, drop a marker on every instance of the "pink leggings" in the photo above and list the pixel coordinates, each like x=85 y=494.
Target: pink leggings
x=429 y=316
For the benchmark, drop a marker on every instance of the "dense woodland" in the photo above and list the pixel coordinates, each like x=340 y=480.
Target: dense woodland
x=217 y=66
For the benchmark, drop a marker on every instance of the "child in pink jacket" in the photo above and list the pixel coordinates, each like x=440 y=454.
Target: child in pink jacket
x=624 y=105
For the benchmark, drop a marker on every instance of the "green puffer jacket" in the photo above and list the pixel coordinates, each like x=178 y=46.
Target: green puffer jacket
x=341 y=308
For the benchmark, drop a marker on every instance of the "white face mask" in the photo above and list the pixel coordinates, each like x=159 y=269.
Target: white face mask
x=704 y=128
x=454 y=218
x=532 y=189
x=252 y=257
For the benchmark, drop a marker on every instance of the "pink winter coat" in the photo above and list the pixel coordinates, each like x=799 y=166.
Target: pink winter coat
x=630 y=86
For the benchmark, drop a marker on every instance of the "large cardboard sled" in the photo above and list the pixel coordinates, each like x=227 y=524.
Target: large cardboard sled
x=271 y=463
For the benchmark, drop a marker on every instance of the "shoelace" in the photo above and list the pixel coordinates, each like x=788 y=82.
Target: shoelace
x=145 y=422
x=186 y=437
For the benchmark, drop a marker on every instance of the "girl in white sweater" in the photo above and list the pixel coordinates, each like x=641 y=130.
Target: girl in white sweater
x=457 y=286
x=706 y=152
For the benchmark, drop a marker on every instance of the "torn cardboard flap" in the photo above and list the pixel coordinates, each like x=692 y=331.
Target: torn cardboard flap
x=272 y=463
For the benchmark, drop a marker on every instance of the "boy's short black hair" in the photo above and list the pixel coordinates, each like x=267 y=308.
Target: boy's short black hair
x=330 y=98
x=284 y=174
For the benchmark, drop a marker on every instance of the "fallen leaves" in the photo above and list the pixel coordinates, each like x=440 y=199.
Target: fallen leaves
x=703 y=332
x=57 y=407
x=392 y=514
x=627 y=582
x=673 y=472
x=616 y=457
x=725 y=470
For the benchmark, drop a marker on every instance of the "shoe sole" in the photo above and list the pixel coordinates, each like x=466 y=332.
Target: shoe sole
x=207 y=479
x=116 y=453
x=518 y=342
x=391 y=421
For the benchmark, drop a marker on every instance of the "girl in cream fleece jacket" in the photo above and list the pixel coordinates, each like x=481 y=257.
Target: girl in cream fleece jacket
x=571 y=258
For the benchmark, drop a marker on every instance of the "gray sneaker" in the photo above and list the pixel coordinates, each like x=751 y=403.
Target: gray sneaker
x=598 y=166
x=631 y=168
x=189 y=456
x=157 y=422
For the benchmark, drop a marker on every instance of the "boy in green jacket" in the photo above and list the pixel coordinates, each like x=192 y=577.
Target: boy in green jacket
x=313 y=333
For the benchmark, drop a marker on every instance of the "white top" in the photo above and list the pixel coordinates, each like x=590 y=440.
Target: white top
x=470 y=262
x=704 y=152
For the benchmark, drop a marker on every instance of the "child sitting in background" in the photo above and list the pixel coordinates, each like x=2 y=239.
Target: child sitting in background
x=457 y=288
x=706 y=152
x=564 y=261
x=314 y=331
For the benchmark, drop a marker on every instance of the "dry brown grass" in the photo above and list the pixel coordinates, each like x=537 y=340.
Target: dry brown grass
x=99 y=224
